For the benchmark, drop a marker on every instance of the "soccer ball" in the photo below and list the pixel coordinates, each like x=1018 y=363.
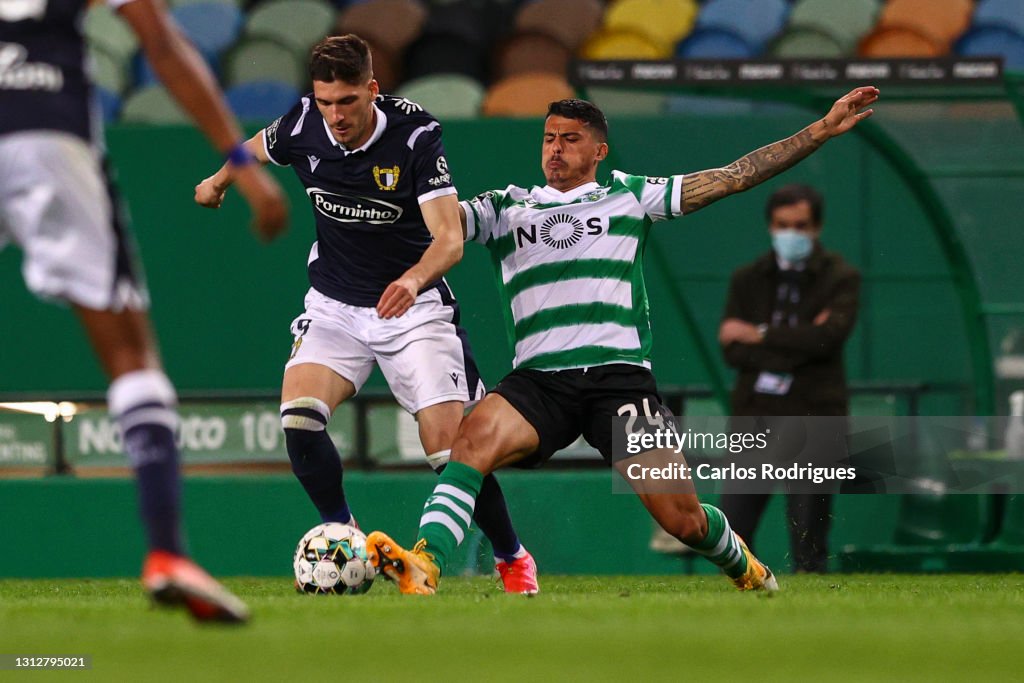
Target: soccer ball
x=331 y=558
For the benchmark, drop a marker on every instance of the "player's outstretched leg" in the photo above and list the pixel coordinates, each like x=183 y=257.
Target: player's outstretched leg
x=415 y=571
x=143 y=403
x=315 y=460
x=516 y=568
x=727 y=550
x=446 y=518
x=706 y=530
x=173 y=580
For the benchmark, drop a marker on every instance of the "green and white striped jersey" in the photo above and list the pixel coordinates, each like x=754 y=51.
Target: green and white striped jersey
x=571 y=267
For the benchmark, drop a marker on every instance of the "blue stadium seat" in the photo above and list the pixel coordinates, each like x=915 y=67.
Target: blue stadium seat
x=993 y=40
x=1009 y=13
x=110 y=104
x=212 y=26
x=261 y=101
x=715 y=43
x=756 y=21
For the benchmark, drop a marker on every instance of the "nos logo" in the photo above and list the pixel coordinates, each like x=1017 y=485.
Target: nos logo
x=559 y=231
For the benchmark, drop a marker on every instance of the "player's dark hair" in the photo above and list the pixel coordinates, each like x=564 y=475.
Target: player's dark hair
x=584 y=111
x=341 y=58
x=794 y=194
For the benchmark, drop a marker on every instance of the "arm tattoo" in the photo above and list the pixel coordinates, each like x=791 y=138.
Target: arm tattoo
x=704 y=187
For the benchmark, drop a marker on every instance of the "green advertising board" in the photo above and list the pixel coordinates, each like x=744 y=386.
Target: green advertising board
x=26 y=441
x=209 y=433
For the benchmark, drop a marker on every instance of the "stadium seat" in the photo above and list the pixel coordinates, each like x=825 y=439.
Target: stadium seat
x=152 y=104
x=390 y=24
x=844 y=21
x=261 y=59
x=530 y=53
x=211 y=26
x=435 y=53
x=109 y=72
x=608 y=44
x=757 y=21
x=445 y=96
x=943 y=22
x=807 y=42
x=665 y=22
x=982 y=41
x=899 y=41
x=570 y=22
x=1009 y=13
x=467 y=20
x=299 y=24
x=110 y=104
x=261 y=101
x=715 y=43
x=526 y=95
x=387 y=67
x=104 y=29
x=181 y=3
x=143 y=74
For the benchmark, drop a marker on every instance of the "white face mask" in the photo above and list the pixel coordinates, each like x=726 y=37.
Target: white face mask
x=792 y=245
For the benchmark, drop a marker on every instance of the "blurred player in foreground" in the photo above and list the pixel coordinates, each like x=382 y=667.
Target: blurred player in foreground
x=387 y=227
x=58 y=204
x=574 y=281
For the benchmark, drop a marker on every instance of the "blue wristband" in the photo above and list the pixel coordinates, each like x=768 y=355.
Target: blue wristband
x=240 y=155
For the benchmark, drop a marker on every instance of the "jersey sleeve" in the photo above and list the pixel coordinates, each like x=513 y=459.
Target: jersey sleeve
x=482 y=213
x=430 y=166
x=278 y=135
x=659 y=196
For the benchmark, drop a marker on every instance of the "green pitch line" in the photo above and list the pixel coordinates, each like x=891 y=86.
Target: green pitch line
x=630 y=629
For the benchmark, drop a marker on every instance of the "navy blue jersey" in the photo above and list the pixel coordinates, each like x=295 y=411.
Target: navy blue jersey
x=366 y=202
x=43 y=83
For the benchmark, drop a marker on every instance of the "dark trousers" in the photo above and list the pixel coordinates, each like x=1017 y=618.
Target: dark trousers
x=809 y=515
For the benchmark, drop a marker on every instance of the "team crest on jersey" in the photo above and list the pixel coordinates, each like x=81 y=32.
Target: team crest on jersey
x=595 y=195
x=387 y=178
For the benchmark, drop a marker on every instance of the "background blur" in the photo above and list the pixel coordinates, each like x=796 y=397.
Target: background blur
x=926 y=201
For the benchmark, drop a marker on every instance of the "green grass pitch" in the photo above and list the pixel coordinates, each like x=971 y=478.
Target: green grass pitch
x=631 y=629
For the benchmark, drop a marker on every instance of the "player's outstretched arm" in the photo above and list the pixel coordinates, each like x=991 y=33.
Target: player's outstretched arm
x=186 y=76
x=441 y=216
x=704 y=187
x=210 y=191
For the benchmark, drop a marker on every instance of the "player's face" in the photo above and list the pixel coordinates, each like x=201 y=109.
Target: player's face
x=347 y=109
x=570 y=153
x=797 y=217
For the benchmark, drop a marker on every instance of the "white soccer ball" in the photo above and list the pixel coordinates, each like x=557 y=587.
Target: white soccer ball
x=331 y=558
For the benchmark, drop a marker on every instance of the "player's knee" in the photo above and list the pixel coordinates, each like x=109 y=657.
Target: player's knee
x=304 y=421
x=472 y=448
x=140 y=388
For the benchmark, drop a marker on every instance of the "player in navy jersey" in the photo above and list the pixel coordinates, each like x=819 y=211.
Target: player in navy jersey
x=387 y=229
x=59 y=206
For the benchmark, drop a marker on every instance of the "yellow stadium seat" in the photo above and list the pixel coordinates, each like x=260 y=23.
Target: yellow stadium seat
x=664 y=21
x=608 y=44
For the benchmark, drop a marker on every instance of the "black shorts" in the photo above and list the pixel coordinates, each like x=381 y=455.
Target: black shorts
x=561 y=405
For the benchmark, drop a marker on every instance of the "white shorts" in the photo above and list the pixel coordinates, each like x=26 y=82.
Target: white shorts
x=424 y=354
x=56 y=203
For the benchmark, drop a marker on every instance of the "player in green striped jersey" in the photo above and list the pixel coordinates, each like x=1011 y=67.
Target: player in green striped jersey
x=570 y=259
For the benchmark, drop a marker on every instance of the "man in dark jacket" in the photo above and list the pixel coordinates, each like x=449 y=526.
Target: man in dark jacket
x=786 y=319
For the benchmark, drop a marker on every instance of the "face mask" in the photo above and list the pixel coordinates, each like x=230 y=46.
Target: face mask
x=792 y=245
